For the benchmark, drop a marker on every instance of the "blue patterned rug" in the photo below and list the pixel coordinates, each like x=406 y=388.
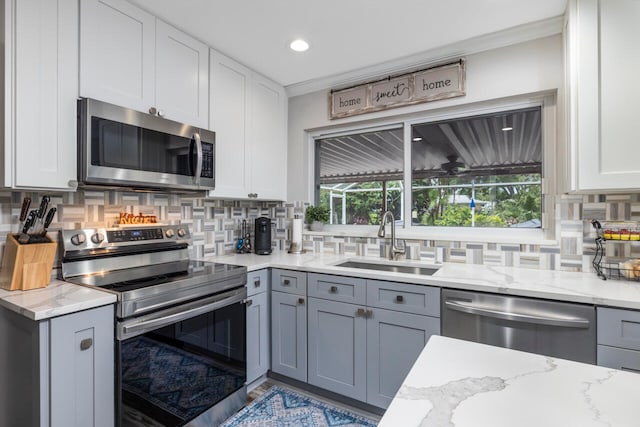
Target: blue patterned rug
x=279 y=407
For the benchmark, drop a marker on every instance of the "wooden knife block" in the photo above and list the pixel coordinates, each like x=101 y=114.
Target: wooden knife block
x=26 y=266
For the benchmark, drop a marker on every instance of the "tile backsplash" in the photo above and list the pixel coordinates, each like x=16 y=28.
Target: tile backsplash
x=215 y=226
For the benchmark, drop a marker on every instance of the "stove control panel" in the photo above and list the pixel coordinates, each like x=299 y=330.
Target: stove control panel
x=113 y=237
x=135 y=235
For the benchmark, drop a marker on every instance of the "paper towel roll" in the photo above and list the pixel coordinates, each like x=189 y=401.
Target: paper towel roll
x=296 y=232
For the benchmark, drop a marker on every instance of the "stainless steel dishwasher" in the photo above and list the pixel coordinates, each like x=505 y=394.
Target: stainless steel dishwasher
x=557 y=329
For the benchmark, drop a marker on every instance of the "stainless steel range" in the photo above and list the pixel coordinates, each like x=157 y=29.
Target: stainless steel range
x=180 y=324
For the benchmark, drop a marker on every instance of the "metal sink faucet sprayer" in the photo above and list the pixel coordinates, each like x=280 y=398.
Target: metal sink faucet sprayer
x=395 y=251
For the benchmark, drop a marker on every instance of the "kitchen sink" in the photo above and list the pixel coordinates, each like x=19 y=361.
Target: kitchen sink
x=395 y=268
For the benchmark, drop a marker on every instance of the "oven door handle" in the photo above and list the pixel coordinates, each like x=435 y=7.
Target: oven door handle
x=177 y=314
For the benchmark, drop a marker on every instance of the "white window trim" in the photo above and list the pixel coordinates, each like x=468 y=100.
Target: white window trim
x=545 y=236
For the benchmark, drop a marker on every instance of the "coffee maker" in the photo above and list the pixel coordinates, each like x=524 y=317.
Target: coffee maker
x=262 y=241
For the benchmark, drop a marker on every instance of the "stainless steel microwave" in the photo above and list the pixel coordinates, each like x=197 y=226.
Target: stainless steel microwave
x=120 y=147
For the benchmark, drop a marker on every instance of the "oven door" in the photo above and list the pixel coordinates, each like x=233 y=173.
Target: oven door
x=123 y=147
x=183 y=366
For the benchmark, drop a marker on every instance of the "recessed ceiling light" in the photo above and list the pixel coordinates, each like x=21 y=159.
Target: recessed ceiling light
x=299 y=45
x=416 y=139
x=507 y=129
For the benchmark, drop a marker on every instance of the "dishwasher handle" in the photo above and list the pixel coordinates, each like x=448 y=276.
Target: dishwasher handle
x=541 y=319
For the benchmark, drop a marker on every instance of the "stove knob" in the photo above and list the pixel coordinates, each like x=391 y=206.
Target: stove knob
x=169 y=233
x=78 y=239
x=181 y=232
x=97 y=238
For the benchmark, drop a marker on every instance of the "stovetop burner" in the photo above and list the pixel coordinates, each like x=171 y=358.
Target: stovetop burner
x=129 y=285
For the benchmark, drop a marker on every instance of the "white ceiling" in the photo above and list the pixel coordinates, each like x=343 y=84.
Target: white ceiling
x=345 y=35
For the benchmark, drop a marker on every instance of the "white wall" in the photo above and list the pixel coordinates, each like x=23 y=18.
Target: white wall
x=531 y=67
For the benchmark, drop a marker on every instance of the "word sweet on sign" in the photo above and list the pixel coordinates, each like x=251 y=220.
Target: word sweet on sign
x=445 y=81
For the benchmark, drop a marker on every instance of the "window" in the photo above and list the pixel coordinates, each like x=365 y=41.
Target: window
x=359 y=175
x=482 y=171
x=477 y=171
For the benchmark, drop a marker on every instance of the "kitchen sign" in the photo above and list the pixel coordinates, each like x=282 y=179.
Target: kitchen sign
x=445 y=81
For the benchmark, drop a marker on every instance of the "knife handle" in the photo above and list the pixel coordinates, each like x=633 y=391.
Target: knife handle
x=25 y=208
x=31 y=219
x=43 y=206
x=48 y=219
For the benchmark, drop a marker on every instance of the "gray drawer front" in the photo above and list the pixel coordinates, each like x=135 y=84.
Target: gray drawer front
x=257 y=281
x=619 y=328
x=619 y=358
x=289 y=281
x=407 y=298
x=337 y=288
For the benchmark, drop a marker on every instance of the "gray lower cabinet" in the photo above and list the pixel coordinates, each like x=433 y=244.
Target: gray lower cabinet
x=337 y=347
x=619 y=339
x=394 y=342
x=289 y=325
x=57 y=372
x=258 y=321
x=365 y=349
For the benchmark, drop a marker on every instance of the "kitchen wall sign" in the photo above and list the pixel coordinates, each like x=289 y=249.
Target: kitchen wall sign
x=431 y=84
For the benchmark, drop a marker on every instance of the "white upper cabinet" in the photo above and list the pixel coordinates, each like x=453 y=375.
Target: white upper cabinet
x=268 y=153
x=182 y=76
x=230 y=99
x=40 y=93
x=130 y=58
x=117 y=53
x=603 y=62
x=249 y=116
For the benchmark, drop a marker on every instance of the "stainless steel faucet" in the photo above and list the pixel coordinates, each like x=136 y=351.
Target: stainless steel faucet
x=395 y=250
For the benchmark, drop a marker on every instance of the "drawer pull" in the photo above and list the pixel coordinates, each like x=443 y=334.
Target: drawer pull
x=361 y=312
x=286 y=282
x=300 y=300
x=399 y=299
x=256 y=283
x=333 y=289
x=86 y=344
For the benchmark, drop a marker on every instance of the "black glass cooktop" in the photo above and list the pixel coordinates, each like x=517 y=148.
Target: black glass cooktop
x=131 y=279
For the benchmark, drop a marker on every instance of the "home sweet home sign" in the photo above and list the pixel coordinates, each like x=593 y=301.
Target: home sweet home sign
x=431 y=84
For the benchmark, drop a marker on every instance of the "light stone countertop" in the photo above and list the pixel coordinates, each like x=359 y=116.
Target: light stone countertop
x=460 y=383
x=57 y=299
x=61 y=298
x=556 y=285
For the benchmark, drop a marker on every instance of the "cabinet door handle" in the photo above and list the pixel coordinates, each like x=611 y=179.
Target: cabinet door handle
x=153 y=110
x=399 y=299
x=300 y=301
x=361 y=312
x=333 y=289
x=286 y=282
x=248 y=302
x=256 y=283
x=369 y=314
x=86 y=344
